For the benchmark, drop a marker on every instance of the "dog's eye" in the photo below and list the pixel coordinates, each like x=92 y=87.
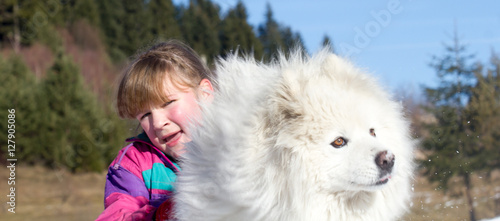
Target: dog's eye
x=339 y=142
x=372 y=132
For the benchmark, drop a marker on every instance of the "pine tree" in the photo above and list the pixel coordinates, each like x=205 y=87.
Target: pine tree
x=291 y=39
x=111 y=13
x=24 y=21
x=69 y=135
x=484 y=109
x=236 y=33
x=28 y=21
x=451 y=146
x=164 y=23
x=58 y=122
x=75 y=10
x=18 y=89
x=10 y=24
x=136 y=23
x=199 y=26
x=276 y=37
x=328 y=43
x=270 y=35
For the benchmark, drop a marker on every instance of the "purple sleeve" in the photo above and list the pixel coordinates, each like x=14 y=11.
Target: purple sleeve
x=120 y=180
x=126 y=197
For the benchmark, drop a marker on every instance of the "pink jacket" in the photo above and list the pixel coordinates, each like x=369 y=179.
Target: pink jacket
x=139 y=180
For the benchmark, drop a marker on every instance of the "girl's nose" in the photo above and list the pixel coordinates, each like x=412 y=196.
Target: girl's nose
x=159 y=118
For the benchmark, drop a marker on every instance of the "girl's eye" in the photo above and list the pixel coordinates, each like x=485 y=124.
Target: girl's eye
x=145 y=115
x=169 y=102
x=339 y=142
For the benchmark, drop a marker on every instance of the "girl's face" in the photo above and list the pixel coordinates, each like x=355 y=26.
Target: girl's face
x=167 y=125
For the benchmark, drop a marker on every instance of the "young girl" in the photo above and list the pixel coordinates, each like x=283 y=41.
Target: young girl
x=162 y=89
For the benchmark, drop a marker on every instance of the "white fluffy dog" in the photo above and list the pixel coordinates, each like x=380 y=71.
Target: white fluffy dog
x=304 y=138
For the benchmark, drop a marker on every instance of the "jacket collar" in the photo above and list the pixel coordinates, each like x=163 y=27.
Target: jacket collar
x=143 y=138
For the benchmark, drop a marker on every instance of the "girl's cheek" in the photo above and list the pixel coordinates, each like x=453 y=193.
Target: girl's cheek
x=144 y=124
x=179 y=116
x=183 y=117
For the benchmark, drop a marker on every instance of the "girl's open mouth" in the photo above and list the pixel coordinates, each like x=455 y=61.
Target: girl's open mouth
x=172 y=139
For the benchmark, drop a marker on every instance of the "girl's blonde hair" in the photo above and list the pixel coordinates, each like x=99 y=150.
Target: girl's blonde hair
x=143 y=83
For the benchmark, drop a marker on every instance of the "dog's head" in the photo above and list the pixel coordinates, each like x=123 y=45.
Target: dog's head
x=341 y=125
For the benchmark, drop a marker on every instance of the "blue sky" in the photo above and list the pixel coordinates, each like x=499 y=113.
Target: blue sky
x=393 y=39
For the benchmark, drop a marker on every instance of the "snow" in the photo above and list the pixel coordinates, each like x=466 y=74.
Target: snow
x=493 y=219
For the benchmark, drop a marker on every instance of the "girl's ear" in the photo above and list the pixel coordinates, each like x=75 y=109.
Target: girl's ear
x=205 y=90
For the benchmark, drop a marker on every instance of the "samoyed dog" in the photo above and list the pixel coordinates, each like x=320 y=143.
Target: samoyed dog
x=303 y=138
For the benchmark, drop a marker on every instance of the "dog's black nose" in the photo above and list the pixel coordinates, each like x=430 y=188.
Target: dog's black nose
x=385 y=161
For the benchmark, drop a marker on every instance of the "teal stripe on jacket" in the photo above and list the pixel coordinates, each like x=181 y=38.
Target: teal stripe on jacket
x=159 y=177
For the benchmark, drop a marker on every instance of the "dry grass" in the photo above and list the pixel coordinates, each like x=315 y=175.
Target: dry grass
x=44 y=194
x=53 y=194
x=432 y=204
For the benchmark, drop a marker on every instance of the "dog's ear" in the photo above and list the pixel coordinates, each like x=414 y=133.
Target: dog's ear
x=285 y=103
x=300 y=77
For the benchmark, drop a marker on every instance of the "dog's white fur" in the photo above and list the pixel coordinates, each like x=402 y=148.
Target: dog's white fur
x=263 y=150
